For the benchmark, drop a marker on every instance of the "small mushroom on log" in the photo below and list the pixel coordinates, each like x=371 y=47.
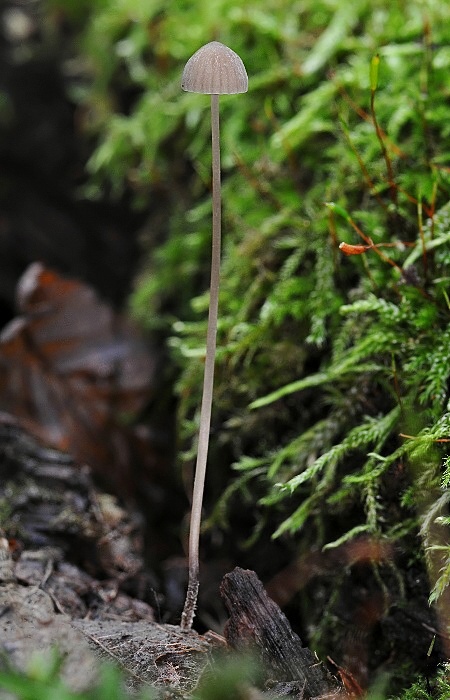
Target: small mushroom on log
x=257 y=624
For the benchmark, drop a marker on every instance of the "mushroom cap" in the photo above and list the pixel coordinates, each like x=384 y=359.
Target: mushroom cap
x=215 y=70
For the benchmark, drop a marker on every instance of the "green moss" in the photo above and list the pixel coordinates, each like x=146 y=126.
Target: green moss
x=435 y=689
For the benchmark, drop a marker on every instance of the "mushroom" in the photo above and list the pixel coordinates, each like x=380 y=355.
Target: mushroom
x=213 y=70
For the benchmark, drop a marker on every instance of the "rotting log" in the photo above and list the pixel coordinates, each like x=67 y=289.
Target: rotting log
x=258 y=626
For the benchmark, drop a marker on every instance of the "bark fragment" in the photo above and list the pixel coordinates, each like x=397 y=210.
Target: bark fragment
x=257 y=625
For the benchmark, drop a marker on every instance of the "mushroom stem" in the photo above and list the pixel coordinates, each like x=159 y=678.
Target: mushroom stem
x=187 y=616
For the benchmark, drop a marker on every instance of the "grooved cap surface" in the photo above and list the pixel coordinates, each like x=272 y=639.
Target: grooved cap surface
x=215 y=70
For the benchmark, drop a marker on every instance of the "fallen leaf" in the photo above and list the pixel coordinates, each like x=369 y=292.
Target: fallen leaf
x=75 y=372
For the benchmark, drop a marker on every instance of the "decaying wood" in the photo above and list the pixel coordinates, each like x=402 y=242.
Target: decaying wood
x=150 y=653
x=30 y=629
x=147 y=652
x=59 y=530
x=257 y=625
x=51 y=503
x=67 y=555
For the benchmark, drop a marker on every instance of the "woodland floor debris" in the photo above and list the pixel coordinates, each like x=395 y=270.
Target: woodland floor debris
x=54 y=537
x=257 y=625
x=64 y=570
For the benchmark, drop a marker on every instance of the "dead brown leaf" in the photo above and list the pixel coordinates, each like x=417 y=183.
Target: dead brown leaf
x=75 y=372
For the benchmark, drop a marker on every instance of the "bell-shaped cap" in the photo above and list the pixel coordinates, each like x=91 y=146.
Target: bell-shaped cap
x=215 y=70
